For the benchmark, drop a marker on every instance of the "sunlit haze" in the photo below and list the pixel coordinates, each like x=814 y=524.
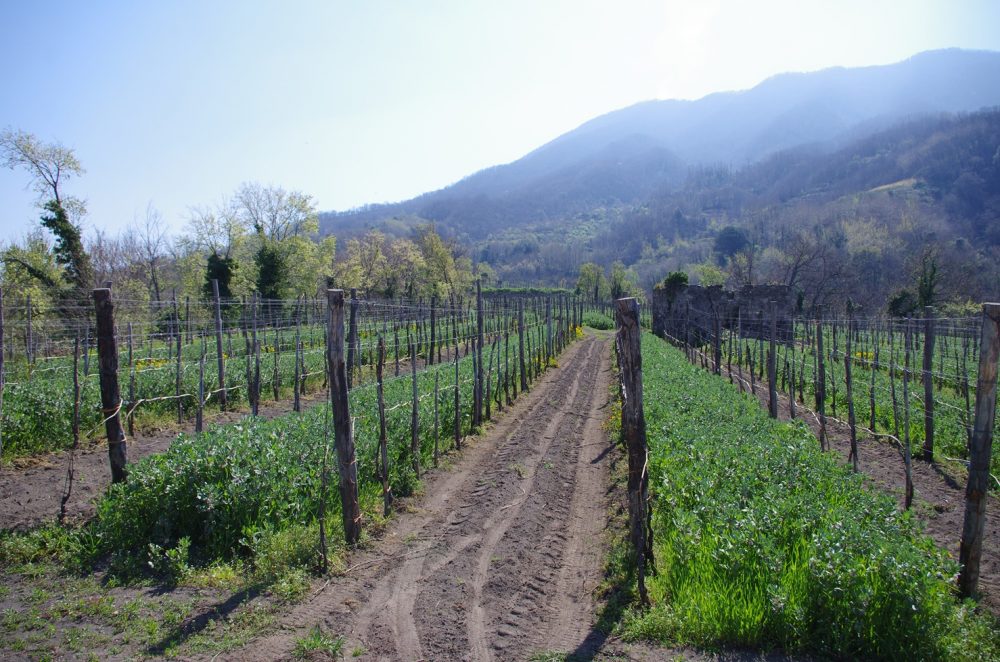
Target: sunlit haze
x=177 y=103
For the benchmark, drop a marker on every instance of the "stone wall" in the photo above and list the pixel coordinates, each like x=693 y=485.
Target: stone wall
x=687 y=313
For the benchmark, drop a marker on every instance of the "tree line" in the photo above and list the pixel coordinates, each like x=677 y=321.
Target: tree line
x=260 y=239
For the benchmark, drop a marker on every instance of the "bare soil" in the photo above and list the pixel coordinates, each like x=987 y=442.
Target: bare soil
x=32 y=489
x=939 y=495
x=501 y=558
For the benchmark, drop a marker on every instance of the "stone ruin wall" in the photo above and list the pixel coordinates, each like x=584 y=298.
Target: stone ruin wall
x=688 y=312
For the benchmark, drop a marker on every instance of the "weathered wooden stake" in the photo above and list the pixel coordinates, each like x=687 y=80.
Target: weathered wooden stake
x=111 y=402
x=520 y=345
x=437 y=420
x=928 y=450
x=352 y=338
x=971 y=548
x=255 y=349
x=414 y=413
x=820 y=386
x=70 y=465
x=458 y=409
x=634 y=433
x=849 y=383
x=199 y=416
x=220 y=357
x=178 y=340
x=907 y=458
x=343 y=428
x=383 y=443
x=430 y=353
x=29 y=343
x=478 y=386
x=772 y=363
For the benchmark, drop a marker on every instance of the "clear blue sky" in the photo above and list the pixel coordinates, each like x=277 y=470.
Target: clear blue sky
x=178 y=102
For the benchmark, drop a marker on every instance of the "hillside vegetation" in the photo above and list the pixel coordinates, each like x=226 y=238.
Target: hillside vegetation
x=762 y=540
x=822 y=181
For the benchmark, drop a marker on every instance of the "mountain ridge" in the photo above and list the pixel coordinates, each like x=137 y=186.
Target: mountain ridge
x=620 y=157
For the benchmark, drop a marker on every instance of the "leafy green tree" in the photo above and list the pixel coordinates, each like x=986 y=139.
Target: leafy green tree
x=902 y=303
x=272 y=270
x=624 y=282
x=49 y=166
x=730 y=241
x=928 y=280
x=591 y=283
x=68 y=249
x=219 y=268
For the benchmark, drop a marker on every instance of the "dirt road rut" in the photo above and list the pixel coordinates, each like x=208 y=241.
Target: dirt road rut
x=502 y=556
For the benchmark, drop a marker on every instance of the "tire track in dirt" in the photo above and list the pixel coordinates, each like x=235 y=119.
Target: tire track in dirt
x=502 y=556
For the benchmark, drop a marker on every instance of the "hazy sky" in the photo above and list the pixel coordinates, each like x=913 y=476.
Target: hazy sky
x=176 y=103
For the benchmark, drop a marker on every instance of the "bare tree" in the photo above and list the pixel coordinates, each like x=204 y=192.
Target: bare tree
x=153 y=243
x=275 y=213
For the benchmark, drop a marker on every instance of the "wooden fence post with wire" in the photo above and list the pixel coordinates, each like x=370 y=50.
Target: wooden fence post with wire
x=928 y=372
x=111 y=401
x=772 y=361
x=343 y=430
x=971 y=549
x=220 y=358
x=628 y=343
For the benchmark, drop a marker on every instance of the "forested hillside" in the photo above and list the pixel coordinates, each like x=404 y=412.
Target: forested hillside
x=823 y=181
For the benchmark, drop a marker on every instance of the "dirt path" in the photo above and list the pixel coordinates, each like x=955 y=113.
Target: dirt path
x=501 y=558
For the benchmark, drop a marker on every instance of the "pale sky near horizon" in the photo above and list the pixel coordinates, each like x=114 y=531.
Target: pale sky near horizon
x=176 y=103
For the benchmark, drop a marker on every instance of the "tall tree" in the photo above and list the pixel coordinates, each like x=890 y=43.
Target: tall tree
x=50 y=166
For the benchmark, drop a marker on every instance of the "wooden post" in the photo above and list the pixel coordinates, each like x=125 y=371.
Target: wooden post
x=383 y=443
x=437 y=420
x=971 y=549
x=634 y=433
x=395 y=331
x=255 y=350
x=107 y=356
x=548 y=329
x=508 y=383
x=820 y=386
x=790 y=367
x=352 y=338
x=199 y=417
x=343 y=429
x=717 y=342
x=29 y=344
x=296 y=397
x=178 y=340
x=414 y=413
x=520 y=345
x=131 y=385
x=478 y=386
x=86 y=353
x=458 y=409
x=849 y=383
x=220 y=358
x=276 y=366
x=871 y=385
x=772 y=365
x=928 y=453
x=907 y=463
x=430 y=352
